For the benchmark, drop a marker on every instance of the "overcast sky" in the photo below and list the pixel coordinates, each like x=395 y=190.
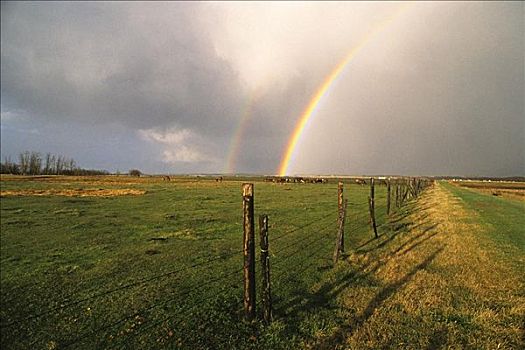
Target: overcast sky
x=162 y=87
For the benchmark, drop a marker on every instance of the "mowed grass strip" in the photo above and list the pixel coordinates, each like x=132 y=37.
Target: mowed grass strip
x=441 y=279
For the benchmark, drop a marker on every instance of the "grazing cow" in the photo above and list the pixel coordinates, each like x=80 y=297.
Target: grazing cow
x=219 y=179
x=166 y=178
x=360 y=182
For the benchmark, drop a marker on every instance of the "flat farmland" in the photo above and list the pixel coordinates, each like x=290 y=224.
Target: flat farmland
x=122 y=262
x=63 y=243
x=509 y=189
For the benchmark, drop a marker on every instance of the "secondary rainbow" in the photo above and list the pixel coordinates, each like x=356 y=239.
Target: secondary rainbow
x=236 y=141
x=321 y=91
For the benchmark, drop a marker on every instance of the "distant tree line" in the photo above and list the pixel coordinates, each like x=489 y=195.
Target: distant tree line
x=33 y=163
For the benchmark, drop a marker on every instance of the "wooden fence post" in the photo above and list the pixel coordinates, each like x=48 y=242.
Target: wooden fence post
x=340 y=216
x=397 y=195
x=337 y=249
x=388 y=197
x=266 y=296
x=412 y=187
x=401 y=192
x=371 y=206
x=404 y=197
x=249 y=251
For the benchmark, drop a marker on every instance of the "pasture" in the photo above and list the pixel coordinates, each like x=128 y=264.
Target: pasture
x=508 y=189
x=122 y=262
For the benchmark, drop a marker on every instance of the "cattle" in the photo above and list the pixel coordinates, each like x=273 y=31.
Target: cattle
x=166 y=178
x=298 y=179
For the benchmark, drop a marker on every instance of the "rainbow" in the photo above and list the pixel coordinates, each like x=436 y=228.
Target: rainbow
x=321 y=91
x=233 y=150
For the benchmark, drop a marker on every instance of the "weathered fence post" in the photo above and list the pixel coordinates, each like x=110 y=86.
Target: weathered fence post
x=412 y=187
x=266 y=296
x=388 y=197
x=371 y=206
x=397 y=194
x=249 y=251
x=337 y=249
x=340 y=216
x=405 y=195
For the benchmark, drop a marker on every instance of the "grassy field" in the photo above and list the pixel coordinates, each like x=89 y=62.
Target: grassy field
x=454 y=279
x=508 y=189
x=142 y=263
x=502 y=218
x=57 y=249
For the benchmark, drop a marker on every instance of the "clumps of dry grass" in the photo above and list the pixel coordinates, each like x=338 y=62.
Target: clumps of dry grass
x=512 y=194
x=81 y=192
x=434 y=286
x=512 y=190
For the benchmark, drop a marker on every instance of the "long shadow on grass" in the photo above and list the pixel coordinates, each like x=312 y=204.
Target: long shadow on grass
x=304 y=302
x=397 y=229
x=321 y=303
x=377 y=301
x=396 y=225
x=396 y=222
x=324 y=300
x=429 y=228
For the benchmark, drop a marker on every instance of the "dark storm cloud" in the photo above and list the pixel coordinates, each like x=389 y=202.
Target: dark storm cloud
x=141 y=65
x=146 y=67
x=439 y=90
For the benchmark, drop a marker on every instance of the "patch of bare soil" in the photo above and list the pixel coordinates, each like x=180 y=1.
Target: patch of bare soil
x=88 y=192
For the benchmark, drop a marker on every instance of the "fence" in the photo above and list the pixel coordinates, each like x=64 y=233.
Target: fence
x=405 y=189
x=282 y=258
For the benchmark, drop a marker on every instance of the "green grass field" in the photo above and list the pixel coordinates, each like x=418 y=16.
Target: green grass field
x=504 y=217
x=57 y=250
x=164 y=269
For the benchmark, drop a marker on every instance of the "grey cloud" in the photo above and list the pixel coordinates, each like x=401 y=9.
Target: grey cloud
x=138 y=65
x=442 y=90
x=439 y=90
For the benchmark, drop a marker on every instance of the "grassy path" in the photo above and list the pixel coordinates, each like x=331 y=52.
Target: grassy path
x=442 y=278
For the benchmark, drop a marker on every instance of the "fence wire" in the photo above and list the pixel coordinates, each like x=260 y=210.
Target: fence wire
x=67 y=304
x=322 y=231
x=151 y=307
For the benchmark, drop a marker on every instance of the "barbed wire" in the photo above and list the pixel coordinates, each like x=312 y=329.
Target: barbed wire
x=312 y=240
x=305 y=245
x=288 y=272
x=287 y=233
x=302 y=247
x=66 y=304
x=156 y=323
x=137 y=313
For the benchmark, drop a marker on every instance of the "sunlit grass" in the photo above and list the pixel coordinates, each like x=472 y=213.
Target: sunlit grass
x=413 y=287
